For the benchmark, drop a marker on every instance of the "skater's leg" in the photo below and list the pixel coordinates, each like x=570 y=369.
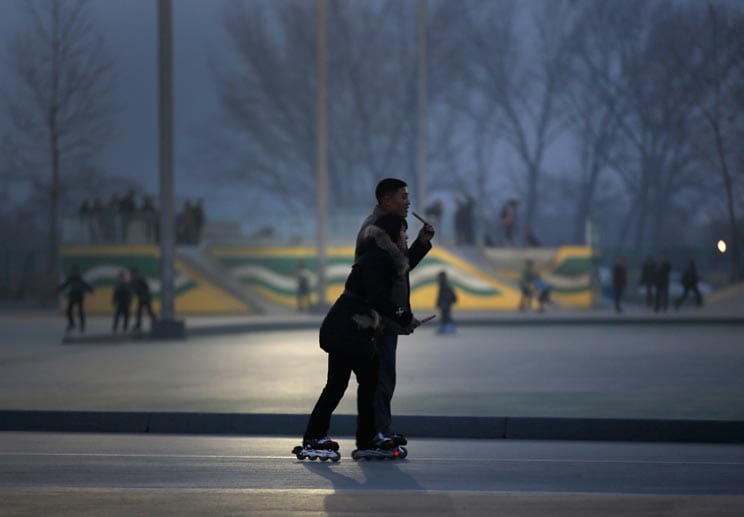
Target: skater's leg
x=386 y=350
x=70 y=321
x=138 y=321
x=117 y=313
x=125 y=313
x=366 y=374
x=339 y=372
x=81 y=315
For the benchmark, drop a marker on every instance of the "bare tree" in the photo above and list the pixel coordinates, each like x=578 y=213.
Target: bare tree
x=264 y=132
x=57 y=101
x=524 y=83
x=709 y=58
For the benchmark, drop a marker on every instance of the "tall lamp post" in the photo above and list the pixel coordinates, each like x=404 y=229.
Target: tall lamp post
x=422 y=149
x=167 y=327
x=321 y=142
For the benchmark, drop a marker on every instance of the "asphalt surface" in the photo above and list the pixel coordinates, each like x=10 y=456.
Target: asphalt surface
x=89 y=474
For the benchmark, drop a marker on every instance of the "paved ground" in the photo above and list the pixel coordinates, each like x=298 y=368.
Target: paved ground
x=88 y=474
x=568 y=370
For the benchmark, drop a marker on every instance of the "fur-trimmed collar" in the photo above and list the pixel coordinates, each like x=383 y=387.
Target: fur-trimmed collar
x=383 y=241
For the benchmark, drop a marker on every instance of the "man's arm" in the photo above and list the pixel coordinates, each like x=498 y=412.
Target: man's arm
x=421 y=246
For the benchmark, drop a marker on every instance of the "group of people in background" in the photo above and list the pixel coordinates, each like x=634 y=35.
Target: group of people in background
x=655 y=279
x=125 y=290
x=115 y=220
x=125 y=220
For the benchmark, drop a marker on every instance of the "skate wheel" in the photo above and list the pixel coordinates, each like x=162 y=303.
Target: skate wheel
x=300 y=457
x=354 y=455
x=403 y=452
x=336 y=458
x=323 y=458
x=312 y=458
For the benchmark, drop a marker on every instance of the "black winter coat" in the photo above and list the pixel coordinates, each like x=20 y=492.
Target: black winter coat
x=367 y=308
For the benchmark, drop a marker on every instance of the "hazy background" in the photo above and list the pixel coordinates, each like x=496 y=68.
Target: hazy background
x=628 y=114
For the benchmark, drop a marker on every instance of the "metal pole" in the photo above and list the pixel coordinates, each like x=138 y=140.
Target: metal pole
x=166 y=327
x=321 y=138
x=422 y=150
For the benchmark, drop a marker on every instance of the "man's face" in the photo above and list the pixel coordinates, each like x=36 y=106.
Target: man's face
x=397 y=203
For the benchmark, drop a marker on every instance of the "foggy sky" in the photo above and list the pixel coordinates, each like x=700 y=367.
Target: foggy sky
x=130 y=29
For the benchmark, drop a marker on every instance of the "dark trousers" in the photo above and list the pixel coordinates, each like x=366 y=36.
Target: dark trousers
x=387 y=347
x=81 y=313
x=649 y=295
x=618 y=297
x=695 y=291
x=662 y=299
x=340 y=367
x=123 y=312
x=143 y=305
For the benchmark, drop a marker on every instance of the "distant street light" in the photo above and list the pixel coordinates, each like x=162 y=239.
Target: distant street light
x=722 y=246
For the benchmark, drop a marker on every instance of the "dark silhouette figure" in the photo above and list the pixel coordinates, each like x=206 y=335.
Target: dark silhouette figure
x=122 y=300
x=542 y=290
x=619 y=280
x=303 y=287
x=508 y=220
x=527 y=286
x=76 y=289
x=445 y=300
x=648 y=279
x=347 y=334
x=689 y=283
x=142 y=291
x=662 y=285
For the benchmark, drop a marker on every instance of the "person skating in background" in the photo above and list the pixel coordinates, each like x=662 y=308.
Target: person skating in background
x=527 y=285
x=303 y=287
x=144 y=300
x=446 y=298
x=122 y=301
x=619 y=279
x=365 y=310
x=689 y=283
x=76 y=288
x=542 y=293
x=648 y=279
x=663 y=272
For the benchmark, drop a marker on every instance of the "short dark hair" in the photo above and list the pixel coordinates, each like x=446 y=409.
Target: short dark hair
x=388 y=186
x=391 y=224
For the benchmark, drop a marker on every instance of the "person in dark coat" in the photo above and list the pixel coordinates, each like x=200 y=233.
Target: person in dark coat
x=648 y=279
x=689 y=283
x=366 y=309
x=527 y=285
x=122 y=300
x=392 y=198
x=446 y=298
x=619 y=279
x=663 y=272
x=144 y=300
x=76 y=288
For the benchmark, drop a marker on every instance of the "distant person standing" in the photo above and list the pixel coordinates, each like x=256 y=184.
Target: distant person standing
x=142 y=291
x=619 y=279
x=508 y=220
x=689 y=283
x=122 y=300
x=663 y=272
x=76 y=288
x=446 y=298
x=648 y=279
x=303 y=287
